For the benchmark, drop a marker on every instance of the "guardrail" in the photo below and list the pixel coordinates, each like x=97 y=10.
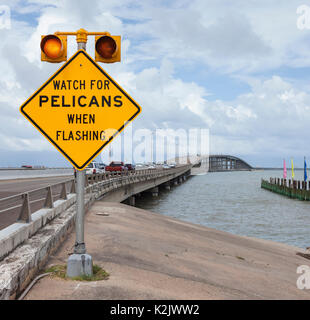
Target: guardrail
x=37 y=199
x=31 y=201
x=108 y=181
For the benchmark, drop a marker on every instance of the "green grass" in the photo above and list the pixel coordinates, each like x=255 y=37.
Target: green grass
x=60 y=271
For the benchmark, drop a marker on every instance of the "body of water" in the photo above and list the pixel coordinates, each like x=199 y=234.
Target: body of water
x=234 y=202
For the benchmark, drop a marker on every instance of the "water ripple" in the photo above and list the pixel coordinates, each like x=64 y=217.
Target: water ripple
x=234 y=202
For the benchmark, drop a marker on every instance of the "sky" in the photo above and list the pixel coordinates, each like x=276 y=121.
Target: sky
x=238 y=68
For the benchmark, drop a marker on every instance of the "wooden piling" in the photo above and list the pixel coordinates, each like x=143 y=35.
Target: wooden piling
x=294 y=189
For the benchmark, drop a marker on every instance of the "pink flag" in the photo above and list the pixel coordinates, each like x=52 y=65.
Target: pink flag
x=284 y=170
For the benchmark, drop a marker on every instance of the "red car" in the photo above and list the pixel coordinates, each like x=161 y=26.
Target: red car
x=130 y=167
x=116 y=166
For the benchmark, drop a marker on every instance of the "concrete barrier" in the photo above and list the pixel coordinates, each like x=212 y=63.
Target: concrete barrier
x=15 y=234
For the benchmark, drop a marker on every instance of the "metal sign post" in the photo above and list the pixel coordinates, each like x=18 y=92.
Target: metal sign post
x=80 y=107
x=79 y=224
x=80 y=263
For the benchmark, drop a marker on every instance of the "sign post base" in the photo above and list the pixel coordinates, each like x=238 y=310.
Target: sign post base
x=79 y=265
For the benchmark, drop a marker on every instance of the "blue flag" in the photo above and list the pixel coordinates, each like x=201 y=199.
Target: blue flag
x=305 y=170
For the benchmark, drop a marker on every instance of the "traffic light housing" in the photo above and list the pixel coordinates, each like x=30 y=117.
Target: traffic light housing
x=108 y=48
x=54 y=48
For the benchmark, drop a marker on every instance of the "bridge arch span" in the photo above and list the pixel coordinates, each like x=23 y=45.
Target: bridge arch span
x=227 y=163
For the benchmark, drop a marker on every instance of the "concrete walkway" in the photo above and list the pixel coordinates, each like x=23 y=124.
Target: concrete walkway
x=151 y=256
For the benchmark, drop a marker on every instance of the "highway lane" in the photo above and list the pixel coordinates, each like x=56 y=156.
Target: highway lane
x=13 y=187
x=16 y=186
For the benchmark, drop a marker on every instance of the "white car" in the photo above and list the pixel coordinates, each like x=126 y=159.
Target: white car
x=94 y=167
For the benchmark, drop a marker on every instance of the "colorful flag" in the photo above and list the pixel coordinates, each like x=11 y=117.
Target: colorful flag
x=305 y=170
x=293 y=174
x=284 y=170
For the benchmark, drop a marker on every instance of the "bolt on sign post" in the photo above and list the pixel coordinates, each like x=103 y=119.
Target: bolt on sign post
x=80 y=110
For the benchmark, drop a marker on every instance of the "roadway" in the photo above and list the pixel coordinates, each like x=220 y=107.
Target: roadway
x=16 y=186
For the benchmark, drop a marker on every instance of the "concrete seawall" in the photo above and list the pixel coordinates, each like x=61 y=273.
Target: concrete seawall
x=151 y=256
x=18 y=232
x=20 y=266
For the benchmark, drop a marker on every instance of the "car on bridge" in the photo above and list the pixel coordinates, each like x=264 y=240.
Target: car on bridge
x=94 y=167
x=130 y=167
x=25 y=166
x=116 y=166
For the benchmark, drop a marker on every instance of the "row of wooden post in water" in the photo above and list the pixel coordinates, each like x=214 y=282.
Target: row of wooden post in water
x=291 y=188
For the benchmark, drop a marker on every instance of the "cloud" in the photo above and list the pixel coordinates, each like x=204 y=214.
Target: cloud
x=237 y=40
x=273 y=117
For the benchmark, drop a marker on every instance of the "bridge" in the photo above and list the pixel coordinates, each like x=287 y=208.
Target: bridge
x=219 y=163
x=114 y=187
x=227 y=163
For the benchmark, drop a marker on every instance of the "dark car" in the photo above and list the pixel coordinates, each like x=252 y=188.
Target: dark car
x=130 y=167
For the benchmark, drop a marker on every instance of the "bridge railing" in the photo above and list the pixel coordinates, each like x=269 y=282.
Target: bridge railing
x=33 y=200
x=24 y=204
x=109 y=181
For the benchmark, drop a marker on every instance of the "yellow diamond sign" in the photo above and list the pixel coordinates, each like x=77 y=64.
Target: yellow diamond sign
x=80 y=109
